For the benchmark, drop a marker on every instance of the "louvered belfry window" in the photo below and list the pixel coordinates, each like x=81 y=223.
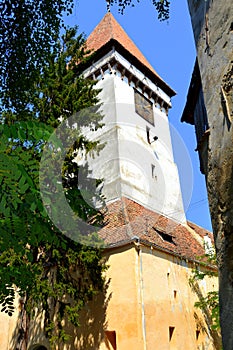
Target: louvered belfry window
x=143 y=107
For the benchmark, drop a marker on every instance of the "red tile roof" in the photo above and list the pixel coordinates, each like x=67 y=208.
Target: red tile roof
x=126 y=219
x=109 y=29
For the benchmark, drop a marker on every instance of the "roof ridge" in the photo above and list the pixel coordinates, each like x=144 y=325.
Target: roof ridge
x=110 y=22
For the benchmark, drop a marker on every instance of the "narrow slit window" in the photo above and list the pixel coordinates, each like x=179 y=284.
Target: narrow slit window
x=148 y=134
x=152 y=170
x=171 y=332
x=197 y=334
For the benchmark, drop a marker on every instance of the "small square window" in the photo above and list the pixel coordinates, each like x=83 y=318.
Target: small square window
x=110 y=340
x=143 y=107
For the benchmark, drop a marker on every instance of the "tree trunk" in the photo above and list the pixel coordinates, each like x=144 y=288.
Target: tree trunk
x=212 y=23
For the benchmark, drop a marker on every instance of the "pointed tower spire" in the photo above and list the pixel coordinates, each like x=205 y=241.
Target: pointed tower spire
x=109 y=33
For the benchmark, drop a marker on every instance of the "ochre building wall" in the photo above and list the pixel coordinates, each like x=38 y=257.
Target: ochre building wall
x=148 y=305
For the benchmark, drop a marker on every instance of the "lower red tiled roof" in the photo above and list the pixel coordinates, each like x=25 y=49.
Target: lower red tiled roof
x=126 y=219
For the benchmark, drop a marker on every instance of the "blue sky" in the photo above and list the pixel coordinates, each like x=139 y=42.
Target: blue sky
x=170 y=48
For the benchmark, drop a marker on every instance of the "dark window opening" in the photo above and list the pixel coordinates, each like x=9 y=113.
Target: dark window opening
x=110 y=339
x=153 y=172
x=171 y=332
x=197 y=334
x=143 y=107
x=165 y=236
x=148 y=134
x=175 y=294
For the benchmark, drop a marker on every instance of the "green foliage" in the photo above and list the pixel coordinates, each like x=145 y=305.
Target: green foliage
x=162 y=6
x=44 y=266
x=209 y=302
x=29 y=29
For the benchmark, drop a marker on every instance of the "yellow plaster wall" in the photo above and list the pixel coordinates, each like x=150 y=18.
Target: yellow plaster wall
x=124 y=312
x=169 y=302
x=118 y=310
x=7 y=329
x=148 y=292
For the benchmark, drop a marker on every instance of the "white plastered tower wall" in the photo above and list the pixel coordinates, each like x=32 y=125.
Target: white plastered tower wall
x=137 y=160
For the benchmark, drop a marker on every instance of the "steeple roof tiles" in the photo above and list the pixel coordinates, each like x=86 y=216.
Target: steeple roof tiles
x=110 y=30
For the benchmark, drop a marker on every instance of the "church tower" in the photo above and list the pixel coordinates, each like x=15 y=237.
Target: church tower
x=137 y=160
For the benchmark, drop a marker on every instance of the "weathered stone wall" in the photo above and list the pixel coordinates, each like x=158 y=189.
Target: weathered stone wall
x=212 y=23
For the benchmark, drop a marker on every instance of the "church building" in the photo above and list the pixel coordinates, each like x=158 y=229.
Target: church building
x=151 y=249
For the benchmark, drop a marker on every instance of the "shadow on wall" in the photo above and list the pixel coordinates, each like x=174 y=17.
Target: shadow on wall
x=30 y=334
x=20 y=336
x=208 y=319
x=93 y=324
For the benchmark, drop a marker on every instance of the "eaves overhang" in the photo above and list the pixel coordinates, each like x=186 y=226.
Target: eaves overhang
x=103 y=50
x=193 y=93
x=137 y=242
